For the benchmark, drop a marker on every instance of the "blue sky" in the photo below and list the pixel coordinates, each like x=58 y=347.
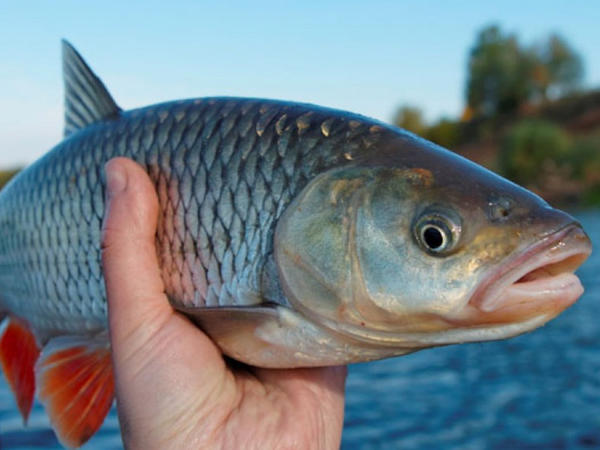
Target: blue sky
x=367 y=57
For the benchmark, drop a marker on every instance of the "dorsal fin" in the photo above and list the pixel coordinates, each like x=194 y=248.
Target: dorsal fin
x=86 y=99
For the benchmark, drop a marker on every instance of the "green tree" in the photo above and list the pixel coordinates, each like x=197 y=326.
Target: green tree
x=410 y=118
x=559 y=69
x=499 y=71
x=503 y=75
x=445 y=132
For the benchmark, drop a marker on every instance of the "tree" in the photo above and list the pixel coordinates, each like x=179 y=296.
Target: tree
x=410 y=118
x=503 y=76
x=498 y=78
x=445 y=132
x=559 y=68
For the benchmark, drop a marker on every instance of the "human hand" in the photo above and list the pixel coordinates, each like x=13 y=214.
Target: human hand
x=173 y=387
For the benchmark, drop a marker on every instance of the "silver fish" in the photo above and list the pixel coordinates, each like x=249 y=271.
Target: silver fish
x=294 y=235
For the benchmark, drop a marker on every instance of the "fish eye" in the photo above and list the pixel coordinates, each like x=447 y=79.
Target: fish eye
x=433 y=236
x=436 y=234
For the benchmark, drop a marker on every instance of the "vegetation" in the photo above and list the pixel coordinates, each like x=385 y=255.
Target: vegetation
x=445 y=132
x=526 y=116
x=6 y=175
x=530 y=149
x=498 y=69
x=410 y=118
x=504 y=75
x=584 y=158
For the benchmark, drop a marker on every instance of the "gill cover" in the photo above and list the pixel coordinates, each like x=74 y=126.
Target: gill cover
x=341 y=245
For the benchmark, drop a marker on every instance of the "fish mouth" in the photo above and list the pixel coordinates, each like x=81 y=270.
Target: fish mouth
x=538 y=281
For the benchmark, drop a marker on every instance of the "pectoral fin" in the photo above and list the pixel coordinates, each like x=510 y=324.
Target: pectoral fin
x=75 y=384
x=254 y=335
x=274 y=336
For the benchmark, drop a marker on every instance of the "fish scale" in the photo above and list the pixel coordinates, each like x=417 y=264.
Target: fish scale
x=224 y=169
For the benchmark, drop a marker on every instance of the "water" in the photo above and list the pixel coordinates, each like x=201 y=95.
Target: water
x=541 y=390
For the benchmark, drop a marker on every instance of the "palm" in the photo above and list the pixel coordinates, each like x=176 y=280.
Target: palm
x=183 y=394
x=305 y=408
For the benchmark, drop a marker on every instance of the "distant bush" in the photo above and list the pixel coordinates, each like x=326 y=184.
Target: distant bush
x=6 y=175
x=410 y=118
x=584 y=158
x=445 y=132
x=530 y=149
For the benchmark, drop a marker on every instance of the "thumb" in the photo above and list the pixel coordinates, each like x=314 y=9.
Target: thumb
x=139 y=312
x=163 y=364
x=133 y=282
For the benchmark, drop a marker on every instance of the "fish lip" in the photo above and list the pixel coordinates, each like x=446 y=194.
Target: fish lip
x=486 y=297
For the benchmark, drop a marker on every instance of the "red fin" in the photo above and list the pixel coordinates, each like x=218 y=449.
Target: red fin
x=75 y=383
x=18 y=354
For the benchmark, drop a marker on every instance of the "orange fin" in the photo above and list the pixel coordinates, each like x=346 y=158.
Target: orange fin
x=18 y=354
x=75 y=384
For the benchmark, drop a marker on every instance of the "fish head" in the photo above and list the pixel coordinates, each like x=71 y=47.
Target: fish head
x=416 y=247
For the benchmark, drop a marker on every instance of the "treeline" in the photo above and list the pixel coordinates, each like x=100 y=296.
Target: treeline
x=525 y=116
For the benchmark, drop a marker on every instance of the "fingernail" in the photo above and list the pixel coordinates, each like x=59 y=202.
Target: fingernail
x=116 y=179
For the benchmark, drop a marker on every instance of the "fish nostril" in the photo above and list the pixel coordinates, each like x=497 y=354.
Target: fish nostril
x=500 y=208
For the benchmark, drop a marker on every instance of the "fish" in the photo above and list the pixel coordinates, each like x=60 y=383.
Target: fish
x=294 y=235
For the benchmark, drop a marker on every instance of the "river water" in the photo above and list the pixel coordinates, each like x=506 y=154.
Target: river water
x=540 y=390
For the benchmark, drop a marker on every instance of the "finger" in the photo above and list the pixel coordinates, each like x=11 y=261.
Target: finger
x=132 y=276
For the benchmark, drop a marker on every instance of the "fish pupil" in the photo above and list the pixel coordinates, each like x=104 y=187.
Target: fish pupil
x=433 y=237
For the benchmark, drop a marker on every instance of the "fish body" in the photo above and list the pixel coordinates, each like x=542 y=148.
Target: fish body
x=224 y=168
x=294 y=235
